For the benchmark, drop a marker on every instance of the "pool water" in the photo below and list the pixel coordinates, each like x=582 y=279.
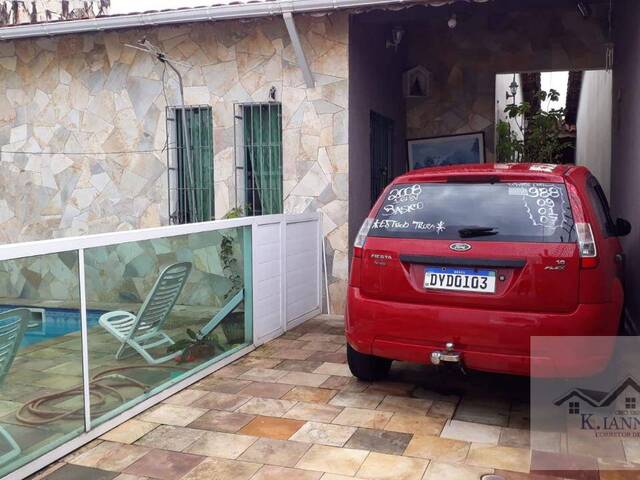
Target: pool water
x=57 y=322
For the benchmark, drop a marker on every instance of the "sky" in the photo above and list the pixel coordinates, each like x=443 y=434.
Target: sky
x=558 y=81
x=126 y=6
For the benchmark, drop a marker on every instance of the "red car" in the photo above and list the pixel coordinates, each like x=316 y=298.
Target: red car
x=464 y=264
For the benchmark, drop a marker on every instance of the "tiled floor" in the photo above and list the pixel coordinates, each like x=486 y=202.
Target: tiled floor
x=291 y=410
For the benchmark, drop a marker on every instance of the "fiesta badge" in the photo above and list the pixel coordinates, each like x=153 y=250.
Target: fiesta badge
x=460 y=247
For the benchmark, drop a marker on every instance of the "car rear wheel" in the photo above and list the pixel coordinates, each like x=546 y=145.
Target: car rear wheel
x=367 y=367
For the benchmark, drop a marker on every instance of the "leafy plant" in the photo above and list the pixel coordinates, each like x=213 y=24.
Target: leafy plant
x=540 y=130
x=194 y=348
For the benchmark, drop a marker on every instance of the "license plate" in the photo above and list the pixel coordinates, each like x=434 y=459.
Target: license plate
x=460 y=279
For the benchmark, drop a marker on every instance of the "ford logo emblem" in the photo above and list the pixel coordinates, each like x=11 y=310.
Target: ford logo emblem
x=460 y=247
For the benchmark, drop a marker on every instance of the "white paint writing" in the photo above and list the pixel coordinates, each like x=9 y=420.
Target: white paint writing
x=389 y=210
x=410 y=193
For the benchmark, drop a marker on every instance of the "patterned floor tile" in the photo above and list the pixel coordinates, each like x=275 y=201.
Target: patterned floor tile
x=168 y=437
x=269 y=472
x=337 y=369
x=420 y=425
x=110 y=456
x=303 y=379
x=221 y=421
x=406 y=405
x=448 y=471
x=223 y=385
x=505 y=458
x=299 y=365
x=357 y=400
x=164 y=464
x=436 y=448
x=272 y=427
x=317 y=412
x=221 y=401
x=219 y=469
x=129 y=431
x=342 y=461
x=471 y=432
x=185 y=397
x=77 y=472
x=265 y=390
x=268 y=407
x=380 y=466
x=283 y=453
x=380 y=441
x=310 y=394
x=324 y=434
x=364 y=418
x=221 y=445
x=263 y=375
x=172 y=414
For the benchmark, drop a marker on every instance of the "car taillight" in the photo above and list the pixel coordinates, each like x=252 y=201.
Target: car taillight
x=358 y=244
x=587 y=246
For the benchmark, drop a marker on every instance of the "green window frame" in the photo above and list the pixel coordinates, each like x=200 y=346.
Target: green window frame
x=261 y=146
x=190 y=158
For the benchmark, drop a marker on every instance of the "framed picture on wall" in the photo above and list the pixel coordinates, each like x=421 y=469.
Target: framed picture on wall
x=459 y=149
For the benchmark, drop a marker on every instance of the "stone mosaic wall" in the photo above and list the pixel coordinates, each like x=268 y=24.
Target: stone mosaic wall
x=465 y=60
x=86 y=95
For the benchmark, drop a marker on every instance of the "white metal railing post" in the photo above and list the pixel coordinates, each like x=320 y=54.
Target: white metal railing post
x=85 y=342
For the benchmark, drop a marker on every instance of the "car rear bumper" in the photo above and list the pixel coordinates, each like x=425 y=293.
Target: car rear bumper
x=488 y=340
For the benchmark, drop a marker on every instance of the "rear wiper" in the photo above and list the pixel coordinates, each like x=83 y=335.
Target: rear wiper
x=469 y=232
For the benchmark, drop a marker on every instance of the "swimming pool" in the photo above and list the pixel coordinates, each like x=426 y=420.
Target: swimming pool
x=56 y=323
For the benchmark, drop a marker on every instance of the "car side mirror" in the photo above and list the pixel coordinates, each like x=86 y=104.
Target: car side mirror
x=623 y=227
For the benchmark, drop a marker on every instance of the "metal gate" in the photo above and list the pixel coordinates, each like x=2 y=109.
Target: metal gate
x=381 y=143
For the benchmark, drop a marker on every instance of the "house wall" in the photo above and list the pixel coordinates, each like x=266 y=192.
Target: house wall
x=490 y=40
x=91 y=113
x=593 y=126
x=375 y=83
x=625 y=167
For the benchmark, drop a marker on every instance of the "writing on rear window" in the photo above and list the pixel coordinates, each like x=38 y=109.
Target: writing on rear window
x=528 y=211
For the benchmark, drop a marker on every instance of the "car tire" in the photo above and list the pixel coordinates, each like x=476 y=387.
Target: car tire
x=367 y=367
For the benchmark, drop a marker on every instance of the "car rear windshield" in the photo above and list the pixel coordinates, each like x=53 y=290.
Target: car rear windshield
x=519 y=212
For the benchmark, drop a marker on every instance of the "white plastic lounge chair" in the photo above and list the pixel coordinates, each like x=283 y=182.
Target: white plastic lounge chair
x=142 y=332
x=13 y=324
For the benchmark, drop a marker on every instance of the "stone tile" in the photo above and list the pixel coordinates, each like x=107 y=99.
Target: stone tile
x=263 y=375
x=313 y=412
x=505 y=458
x=110 y=456
x=219 y=469
x=283 y=453
x=336 y=357
x=223 y=385
x=231 y=371
x=310 y=394
x=265 y=390
x=303 y=378
x=168 y=437
x=299 y=365
x=221 y=445
x=268 y=407
x=78 y=472
x=360 y=417
x=436 y=448
x=407 y=405
x=393 y=443
x=272 y=427
x=269 y=472
x=380 y=466
x=337 y=369
x=258 y=362
x=172 y=415
x=164 y=464
x=442 y=409
x=415 y=424
x=129 y=431
x=471 y=432
x=324 y=434
x=338 y=383
x=447 y=471
x=342 y=461
x=477 y=411
x=357 y=400
x=514 y=437
x=221 y=401
x=185 y=397
x=221 y=421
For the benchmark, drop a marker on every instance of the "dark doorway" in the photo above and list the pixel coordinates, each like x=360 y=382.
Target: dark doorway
x=381 y=135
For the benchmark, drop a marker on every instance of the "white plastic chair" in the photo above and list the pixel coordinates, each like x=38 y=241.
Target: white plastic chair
x=142 y=332
x=13 y=324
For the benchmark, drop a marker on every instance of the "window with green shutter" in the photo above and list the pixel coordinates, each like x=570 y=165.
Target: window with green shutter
x=190 y=157
x=259 y=144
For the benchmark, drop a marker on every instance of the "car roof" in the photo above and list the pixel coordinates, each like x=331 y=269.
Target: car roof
x=516 y=172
